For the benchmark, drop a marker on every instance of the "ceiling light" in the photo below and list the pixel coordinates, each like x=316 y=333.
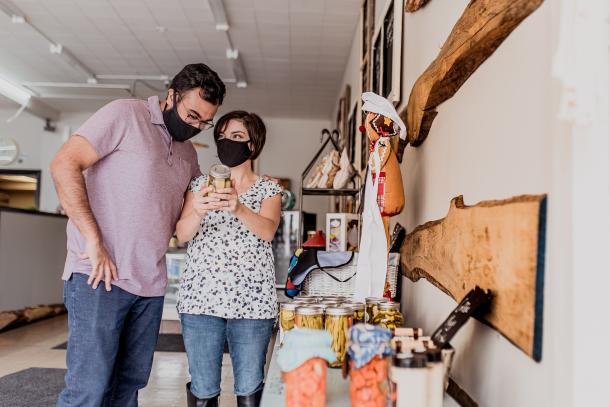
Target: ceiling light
x=240 y=73
x=220 y=15
x=232 y=53
x=14 y=92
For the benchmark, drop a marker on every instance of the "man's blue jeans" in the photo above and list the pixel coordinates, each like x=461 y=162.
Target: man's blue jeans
x=111 y=342
x=204 y=339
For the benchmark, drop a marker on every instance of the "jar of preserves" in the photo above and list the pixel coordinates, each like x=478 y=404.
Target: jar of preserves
x=389 y=315
x=371 y=307
x=309 y=317
x=359 y=311
x=338 y=321
x=219 y=177
x=287 y=314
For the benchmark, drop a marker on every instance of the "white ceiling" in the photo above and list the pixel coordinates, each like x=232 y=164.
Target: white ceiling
x=294 y=51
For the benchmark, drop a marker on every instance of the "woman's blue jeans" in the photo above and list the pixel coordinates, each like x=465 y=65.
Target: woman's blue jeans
x=204 y=339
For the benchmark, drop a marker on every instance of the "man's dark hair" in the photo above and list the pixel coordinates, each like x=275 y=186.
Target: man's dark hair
x=200 y=75
x=253 y=124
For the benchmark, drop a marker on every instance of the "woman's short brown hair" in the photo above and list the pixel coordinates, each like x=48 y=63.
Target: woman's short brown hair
x=253 y=124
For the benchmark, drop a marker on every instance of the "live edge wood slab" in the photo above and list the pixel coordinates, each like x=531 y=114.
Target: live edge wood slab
x=496 y=245
x=481 y=29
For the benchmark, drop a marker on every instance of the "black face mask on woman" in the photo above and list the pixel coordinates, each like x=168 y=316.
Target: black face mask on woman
x=178 y=128
x=233 y=153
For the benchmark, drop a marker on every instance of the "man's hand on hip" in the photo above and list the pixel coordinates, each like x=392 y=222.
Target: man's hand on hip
x=102 y=266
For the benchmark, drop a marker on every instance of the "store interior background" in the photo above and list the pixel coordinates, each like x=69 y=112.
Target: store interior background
x=498 y=137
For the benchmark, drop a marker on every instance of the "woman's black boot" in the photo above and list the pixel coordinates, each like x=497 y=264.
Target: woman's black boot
x=192 y=401
x=253 y=400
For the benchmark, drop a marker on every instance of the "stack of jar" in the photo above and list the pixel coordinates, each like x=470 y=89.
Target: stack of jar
x=333 y=314
x=384 y=313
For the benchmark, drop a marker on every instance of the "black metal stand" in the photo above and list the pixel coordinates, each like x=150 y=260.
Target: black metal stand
x=333 y=139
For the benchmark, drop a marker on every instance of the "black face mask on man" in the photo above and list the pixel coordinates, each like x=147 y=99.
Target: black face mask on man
x=178 y=128
x=233 y=153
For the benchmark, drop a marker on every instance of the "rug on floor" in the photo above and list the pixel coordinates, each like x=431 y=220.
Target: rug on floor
x=165 y=343
x=33 y=387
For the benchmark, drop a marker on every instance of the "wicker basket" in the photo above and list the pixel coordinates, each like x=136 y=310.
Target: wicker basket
x=319 y=282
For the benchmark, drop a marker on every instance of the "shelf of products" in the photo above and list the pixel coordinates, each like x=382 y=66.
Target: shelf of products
x=354 y=180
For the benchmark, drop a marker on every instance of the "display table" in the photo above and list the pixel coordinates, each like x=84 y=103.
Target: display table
x=337 y=388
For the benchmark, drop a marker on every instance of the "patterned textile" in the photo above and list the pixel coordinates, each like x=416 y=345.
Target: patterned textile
x=230 y=272
x=367 y=341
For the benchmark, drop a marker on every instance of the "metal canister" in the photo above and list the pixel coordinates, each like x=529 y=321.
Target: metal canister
x=309 y=317
x=338 y=321
x=219 y=177
x=359 y=311
x=389 y=315
x=371 y=307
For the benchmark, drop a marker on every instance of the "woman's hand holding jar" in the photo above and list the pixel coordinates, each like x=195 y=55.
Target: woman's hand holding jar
x=204 y=202
x=229 y=200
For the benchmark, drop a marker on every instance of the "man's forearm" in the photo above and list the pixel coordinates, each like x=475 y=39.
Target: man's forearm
x=72 y=192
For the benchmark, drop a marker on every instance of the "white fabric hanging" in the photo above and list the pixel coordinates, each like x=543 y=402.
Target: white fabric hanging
x=373 y=250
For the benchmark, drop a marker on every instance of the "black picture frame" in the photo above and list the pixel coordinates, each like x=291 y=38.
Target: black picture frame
x=351 y=133
x=376 y=68
x=364 y=147
x=388 y=51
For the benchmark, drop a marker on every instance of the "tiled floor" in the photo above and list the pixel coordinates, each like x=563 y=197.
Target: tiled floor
x=31 y=346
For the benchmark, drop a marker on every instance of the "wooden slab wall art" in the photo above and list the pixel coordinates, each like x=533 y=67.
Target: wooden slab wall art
x=481 y=29
x=496 y=245
x=412 y=6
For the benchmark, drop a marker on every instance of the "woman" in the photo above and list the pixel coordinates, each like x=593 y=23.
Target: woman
x=227 y=291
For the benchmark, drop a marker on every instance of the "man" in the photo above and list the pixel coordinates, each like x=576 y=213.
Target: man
x=121 y=179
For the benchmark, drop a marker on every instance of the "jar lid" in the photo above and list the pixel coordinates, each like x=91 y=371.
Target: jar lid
x=354 y=305
x=375 y=300
x=336 y=298
x=339 y=311
x=315 y=310
x=220 y=171
x=434 y=355
x=330 y=302
x=305 y=300
x=289 y=306
x=389 y=305
x=410 y=360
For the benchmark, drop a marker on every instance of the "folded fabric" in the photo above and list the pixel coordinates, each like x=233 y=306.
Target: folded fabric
x=302 y=344
x=367 y=341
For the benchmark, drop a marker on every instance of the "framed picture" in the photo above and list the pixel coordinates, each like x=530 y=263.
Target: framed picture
x=342 y=119
x=351 y=133
x=364 y=147
x=367 y=25
x=376 y=66
x=386 y=70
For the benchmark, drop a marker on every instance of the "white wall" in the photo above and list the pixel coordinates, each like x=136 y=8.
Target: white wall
x=496 y=138
x=291 y=144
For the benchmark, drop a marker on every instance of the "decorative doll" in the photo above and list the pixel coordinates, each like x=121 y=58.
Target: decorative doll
x=390 y=194
x=383 y=196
